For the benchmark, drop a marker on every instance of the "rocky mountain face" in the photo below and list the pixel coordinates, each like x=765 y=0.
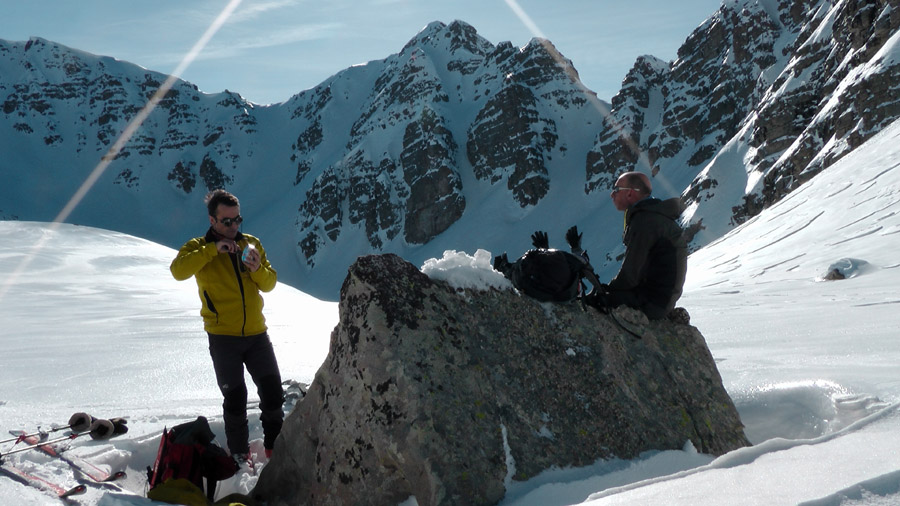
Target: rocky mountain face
x=455 y=142
x=379 y=157
x=67 y=100
x=450 y=395
x=763 y=95
x=449 y=107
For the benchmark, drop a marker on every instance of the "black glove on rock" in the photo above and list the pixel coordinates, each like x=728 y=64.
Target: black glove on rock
x=539 y=240
x=573 y=238
x=501 y=264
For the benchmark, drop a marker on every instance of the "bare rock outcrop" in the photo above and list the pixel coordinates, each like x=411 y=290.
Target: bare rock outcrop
x=449 y=395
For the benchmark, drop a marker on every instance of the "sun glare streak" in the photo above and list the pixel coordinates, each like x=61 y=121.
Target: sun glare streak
x=642 y=160
x=525 y=18
x=142 y=115
x=123 y=139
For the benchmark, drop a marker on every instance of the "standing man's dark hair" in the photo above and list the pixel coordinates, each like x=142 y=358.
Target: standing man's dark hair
x=216 y=197
x=231 y=270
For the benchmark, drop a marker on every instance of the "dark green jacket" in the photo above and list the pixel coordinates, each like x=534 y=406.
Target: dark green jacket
x=655 y=262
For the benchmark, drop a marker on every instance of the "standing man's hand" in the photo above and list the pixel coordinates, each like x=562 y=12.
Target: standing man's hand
x=227 y=246
x=252 y=260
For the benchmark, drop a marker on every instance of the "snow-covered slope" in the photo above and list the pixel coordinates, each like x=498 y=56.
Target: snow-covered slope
x=804 y=359
x=93 y=322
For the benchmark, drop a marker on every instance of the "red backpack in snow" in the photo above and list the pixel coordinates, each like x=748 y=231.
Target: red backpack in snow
x=188 y=451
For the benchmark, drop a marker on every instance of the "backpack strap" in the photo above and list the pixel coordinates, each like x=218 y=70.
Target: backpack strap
x=211 y=489
x=154 y=473
x=586 y=271
x=584 y=268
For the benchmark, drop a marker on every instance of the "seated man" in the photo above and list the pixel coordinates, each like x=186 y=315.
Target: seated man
x=652 y=274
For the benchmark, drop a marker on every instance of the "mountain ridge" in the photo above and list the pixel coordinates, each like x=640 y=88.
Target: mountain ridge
x=454 y=142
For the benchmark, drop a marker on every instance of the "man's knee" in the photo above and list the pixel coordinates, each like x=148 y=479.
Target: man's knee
x=271 y=395
x=235 y=400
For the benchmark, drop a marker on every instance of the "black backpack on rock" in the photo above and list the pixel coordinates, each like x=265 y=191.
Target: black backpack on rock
x=548 y=275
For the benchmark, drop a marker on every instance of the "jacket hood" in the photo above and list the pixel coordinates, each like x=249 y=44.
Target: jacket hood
x=670 y=208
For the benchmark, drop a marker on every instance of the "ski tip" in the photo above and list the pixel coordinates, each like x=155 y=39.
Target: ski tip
x=76 y=490
x=116 y=476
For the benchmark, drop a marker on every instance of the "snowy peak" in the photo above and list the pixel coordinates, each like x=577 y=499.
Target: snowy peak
x=456 y=39
x=454 y=142
x=447 y=89
x=79 y=103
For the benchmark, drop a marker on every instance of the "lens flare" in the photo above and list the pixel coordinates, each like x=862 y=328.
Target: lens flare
x=642 y=160
x=123 y=139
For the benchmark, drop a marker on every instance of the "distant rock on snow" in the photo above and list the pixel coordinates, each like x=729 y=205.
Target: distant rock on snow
x=447 y=395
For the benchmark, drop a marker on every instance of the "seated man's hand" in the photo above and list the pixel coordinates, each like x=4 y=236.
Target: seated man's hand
x=539 y=240
x=573 y=238
x=501 y=264
x=597 y=297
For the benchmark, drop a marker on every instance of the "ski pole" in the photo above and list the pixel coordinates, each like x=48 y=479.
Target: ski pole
x=45 y=443
x=41 y=433
x=100 y=429
x=78 y=422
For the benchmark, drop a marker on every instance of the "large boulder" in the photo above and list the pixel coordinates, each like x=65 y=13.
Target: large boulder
x=448 y=394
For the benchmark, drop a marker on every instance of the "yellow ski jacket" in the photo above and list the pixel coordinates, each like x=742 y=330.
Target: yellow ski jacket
x=229 y=292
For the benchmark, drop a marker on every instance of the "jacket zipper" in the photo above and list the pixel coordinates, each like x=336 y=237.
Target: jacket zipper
x=237 y=273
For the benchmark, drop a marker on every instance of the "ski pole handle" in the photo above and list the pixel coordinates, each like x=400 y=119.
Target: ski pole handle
x=102 y=429
x=78 y=422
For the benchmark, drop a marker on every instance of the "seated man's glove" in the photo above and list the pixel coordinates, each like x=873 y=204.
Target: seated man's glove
x=574 y=239
x=501 y=264
x=597 y=298
x=539 y=240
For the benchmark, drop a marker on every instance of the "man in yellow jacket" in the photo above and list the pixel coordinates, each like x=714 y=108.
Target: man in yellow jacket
x=231 y=270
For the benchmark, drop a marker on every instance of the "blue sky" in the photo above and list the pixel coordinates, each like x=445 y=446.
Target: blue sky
x=269 y=50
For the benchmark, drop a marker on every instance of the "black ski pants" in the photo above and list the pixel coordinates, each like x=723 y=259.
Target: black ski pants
x=229 y=355
x=609 y=299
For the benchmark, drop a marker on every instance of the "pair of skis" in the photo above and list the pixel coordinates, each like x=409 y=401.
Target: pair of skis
x=80 y=424
x=36 y=481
